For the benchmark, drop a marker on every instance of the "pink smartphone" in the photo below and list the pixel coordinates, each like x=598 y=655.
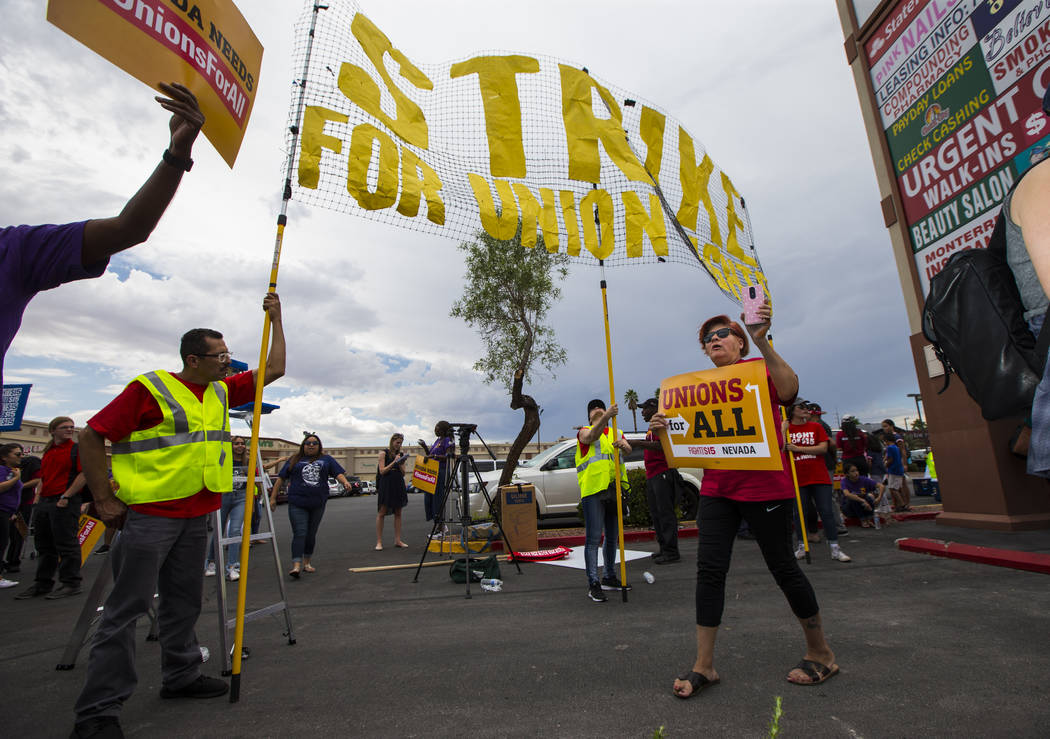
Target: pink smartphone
x=754 y=297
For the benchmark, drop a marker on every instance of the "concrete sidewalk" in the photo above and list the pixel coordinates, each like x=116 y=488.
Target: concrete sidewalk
x=928 y=646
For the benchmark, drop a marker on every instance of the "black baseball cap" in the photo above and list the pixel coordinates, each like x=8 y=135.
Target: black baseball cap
x=596 y=403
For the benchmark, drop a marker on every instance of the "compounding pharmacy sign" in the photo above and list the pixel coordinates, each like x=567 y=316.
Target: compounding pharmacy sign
x=959 y=87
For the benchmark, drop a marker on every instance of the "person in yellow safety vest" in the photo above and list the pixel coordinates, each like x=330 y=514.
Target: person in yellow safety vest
x=596 y=472
x=172 y=461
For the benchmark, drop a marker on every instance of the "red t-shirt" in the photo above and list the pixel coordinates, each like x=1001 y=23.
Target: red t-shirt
x=655 y=461
x=135 y=409
x=851 y=447
x=753 y=485
x=55 y=468
x=810 y=468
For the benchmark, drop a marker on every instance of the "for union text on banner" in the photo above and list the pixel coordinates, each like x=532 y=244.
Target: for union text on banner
x=505 y=141
x=205 y=45
x=720 y=418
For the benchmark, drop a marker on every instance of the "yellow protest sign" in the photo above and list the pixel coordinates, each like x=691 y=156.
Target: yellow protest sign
x=91 y=529
x=425 y=474
x=206 y=45
x=720 y=418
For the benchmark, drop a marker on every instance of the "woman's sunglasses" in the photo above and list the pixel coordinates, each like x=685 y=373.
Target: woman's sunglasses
x=721 y=333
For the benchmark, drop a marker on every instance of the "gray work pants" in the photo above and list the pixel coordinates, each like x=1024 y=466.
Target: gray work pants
x=151 y=555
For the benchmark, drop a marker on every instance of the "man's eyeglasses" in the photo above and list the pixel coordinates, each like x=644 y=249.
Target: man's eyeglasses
x=721 y=333
x=221 y=356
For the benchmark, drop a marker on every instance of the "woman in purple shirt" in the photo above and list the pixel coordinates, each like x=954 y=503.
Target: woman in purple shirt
x=10 y=495
x=443 y=449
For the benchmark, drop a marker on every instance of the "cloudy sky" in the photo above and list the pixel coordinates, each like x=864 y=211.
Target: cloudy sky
x=763 y=84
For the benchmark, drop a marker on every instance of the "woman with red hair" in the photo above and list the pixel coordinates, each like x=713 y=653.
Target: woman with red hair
x=764 y=499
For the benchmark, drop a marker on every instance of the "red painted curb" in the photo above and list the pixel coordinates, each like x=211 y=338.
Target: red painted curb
x=1029 y=561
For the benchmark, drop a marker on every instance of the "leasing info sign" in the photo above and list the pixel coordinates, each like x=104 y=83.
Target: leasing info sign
x=205 y=45
x=959 y=86
x=720 y=418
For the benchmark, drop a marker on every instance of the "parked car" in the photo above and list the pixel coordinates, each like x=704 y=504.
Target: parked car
x=336 y=489
x=918 y=456
x=489 y=465
x=368 y=487
x=553 y=473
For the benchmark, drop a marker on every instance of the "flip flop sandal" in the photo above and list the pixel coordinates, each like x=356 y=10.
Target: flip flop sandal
x=294 y=573
x=816 y=672
x=698 y=681
x=309 y=568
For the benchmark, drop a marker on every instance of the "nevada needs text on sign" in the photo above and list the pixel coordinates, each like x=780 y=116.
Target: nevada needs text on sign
x=205 y=45
x=720 y=418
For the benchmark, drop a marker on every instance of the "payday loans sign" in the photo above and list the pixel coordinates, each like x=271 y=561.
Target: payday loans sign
x=205 y=45
x=501 y=142
x=720 y=418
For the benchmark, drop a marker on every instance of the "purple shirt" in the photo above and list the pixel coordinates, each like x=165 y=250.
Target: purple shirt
x=10 y=498
x=861 y=487
x=440 y=448
x=32 y=259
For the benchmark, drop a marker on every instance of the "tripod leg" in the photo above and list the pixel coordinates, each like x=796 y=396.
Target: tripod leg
x=438 y=523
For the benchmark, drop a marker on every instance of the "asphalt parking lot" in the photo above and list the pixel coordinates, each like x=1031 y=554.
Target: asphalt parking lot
x=927 y=647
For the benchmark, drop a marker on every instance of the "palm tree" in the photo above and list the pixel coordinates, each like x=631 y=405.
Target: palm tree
x=632 y=402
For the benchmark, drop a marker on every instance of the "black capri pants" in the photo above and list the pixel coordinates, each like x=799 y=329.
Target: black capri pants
x=771 y=522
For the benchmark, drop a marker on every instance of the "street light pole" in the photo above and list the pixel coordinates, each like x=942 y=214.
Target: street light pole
x=539 y=444
x=925 y=431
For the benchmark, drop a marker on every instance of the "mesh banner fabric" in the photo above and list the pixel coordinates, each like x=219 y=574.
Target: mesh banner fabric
x=501 y=141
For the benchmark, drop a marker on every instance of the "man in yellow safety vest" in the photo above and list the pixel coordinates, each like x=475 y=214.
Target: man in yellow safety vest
x=172 y=461
x=596 y=472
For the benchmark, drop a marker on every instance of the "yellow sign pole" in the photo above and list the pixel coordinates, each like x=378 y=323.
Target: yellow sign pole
x=798 y=501
x=616 y=451
x=253 y=452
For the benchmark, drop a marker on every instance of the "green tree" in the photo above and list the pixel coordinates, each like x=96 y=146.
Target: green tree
x=631 y=398
x=508 y=293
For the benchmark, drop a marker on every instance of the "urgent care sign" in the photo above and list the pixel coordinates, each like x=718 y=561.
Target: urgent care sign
x=959 y=87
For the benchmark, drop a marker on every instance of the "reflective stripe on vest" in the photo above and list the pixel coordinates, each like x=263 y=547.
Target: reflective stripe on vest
x=189 y=450
x=594 y=471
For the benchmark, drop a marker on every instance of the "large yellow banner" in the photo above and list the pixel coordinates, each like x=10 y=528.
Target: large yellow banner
x=506 y=142
x=205 y=45
x=720 y=418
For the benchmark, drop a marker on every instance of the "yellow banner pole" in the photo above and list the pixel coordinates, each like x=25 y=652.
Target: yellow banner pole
x=253 y=451
x=615 y=436
x=798 y=501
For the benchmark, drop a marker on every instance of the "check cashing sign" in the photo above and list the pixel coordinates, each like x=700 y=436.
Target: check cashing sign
x=720 y=418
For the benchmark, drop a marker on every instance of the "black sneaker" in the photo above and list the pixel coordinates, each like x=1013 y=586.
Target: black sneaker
x=33 y=591
x=843 y=531
x=613 y=583
x=100 y=727
x=665 y=559
x=202 y=687
x=64 y=591
x=102 y=549
x=595 y=593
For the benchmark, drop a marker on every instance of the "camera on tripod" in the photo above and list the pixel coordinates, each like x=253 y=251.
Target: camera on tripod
x=464 y=430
